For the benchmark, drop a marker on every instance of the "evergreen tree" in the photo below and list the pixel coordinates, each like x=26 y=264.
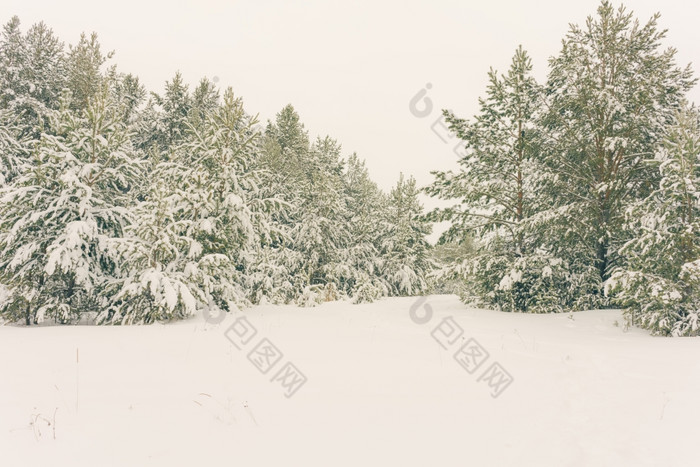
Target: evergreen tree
x=404 y=246
x=83 y=67
x=660 y=285
x=222 y=192
x=129 y=92
x=61 y=215
x=503 y=193
x=197 y=226
x=321 y=232
x=32 y=74
x=45 y=70
x=447 y=256
x=149 y=129
x=366 y=207
x=276 y=269
x=611 y=92
x=284 y=150
x=176 y=104
x=205 y=99
x=13 y=58
x=156 y=253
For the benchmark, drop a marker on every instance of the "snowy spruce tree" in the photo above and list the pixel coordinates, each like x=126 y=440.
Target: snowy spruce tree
x=205 y=100
x=306 y=180
x=156 y=285
x=13 y=58
x=659 y=286
x=84 y=74
x=32 y=74
x=283 y=148
x=611 y=92
x=321 y=234
x=194 y=232
x=164 y=122
x=61 y=215
x=366 y=204
x=176 y=104
x=501 y=191
x=331 y=221
x=404 y=247
x=128 y=91
x=446 y=278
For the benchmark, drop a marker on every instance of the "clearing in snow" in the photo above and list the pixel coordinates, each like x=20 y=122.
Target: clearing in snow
x=373 y=387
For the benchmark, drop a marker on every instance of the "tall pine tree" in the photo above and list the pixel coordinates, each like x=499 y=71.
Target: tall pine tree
x=502 y=192
x=611 y=92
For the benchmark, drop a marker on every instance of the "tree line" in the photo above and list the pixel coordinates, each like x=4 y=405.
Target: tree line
x=128 y=206
x=122 y=206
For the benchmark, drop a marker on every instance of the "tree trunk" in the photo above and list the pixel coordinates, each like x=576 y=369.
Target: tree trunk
x=602 y=260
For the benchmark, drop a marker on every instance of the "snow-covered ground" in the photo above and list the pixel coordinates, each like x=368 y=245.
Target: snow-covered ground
x=380 y=391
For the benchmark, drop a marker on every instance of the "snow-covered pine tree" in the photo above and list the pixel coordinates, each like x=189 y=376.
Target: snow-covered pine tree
x=83 y=68
x=322 y=234
x=445 y=277
x=276 y=269
x=60 y=216
x=269 y=273
x=129 y=92
x=323 y=207
x=196 y=229
x=307 y=179
x=45 y=71
x=222 y=189
x=176 y=104
x=319 y=233
x=660 y=285
x=13 y=57
x=284 y=149
x=164 y=122
x=155 y=253
x=404 y=248
x=205 y=99
x=366 y=206
x=611 y=92
x=502 y=191
x=32 y=74
x=13 y=161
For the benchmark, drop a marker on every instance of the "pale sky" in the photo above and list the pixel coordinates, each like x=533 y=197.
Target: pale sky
x=349 y=68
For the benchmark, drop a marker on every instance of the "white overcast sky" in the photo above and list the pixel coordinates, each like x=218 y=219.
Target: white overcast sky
x=349 y=68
